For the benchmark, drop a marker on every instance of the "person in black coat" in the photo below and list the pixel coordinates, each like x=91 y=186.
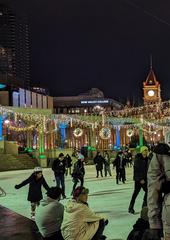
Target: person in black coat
x=68 y=162
x=140 y=177
x=120 y=163
x=59 y=168
x=35 y=181
x=99 y=162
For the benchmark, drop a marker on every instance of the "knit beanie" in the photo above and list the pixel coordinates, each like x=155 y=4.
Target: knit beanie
x=143 y=148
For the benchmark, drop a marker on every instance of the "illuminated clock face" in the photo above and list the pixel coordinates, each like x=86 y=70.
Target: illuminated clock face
x=151 y=93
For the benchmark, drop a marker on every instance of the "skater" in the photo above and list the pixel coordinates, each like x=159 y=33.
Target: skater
x=80 y=222
x=99 y=161
x=59 y=168
x=120 y=163
x=35 y=181
x=49 y=215
x=107 y=163
x=78 y=173
x=140 y=177
x=68 y=162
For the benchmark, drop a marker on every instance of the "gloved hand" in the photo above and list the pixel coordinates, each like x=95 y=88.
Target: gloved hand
x=16 y=187
x=153 y=234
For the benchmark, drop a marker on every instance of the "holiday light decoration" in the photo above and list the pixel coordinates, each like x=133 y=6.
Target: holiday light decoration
x=105 y=133
x=78 y=132
x=129 y=132
x=21 y=129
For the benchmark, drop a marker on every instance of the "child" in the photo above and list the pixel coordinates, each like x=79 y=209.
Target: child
x=35 y=181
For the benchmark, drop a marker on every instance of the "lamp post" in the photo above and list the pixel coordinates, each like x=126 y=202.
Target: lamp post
x=7 y=122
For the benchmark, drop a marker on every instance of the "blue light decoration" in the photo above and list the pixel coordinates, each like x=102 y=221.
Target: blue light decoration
x=118 y=137
x=2 y=86
x=62 y=127
x=1 y=125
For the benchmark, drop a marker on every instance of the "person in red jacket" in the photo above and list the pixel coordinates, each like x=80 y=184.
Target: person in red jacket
x=35 y=181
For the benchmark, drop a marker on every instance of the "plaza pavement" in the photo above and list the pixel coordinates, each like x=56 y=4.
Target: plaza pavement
x=105 y=197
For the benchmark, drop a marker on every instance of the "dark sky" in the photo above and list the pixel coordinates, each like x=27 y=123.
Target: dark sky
x=77 y=45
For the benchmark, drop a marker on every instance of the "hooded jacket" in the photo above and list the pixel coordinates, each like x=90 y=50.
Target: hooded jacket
x=49 y=216
x=80 y=222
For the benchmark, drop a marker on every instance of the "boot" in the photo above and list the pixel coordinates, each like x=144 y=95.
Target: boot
x=33 y=215
x=131 y=210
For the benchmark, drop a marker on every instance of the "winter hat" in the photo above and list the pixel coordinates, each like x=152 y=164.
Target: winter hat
x=143 y=148
x=144 y=213
x=61 y=155
x=162 y=148
x=54 y=192
x=80 y=190
x=37 y=169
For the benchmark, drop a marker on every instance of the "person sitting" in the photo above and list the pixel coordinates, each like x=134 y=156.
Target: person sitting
x=140 y=226
x=80 y=222
x=49 y=215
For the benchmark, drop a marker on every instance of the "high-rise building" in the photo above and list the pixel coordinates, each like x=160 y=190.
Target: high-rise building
x=14 y=49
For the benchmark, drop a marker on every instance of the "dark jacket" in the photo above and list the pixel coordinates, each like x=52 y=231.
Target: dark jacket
x=138 y=229
x=59 y=167
x=117 y=161
x=68 y=161
x=140 y=167
x=34 y=193
x=99 y=161
x=78 y=171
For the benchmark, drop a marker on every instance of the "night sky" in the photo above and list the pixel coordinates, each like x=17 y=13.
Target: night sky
x=77 y=45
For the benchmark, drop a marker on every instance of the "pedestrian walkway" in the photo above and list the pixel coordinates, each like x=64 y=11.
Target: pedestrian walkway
x=106 y=197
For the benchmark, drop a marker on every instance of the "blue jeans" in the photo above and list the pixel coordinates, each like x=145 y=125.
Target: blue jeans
x=60 y=182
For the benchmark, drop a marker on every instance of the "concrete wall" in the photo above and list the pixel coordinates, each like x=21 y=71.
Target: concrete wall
x=11 y=147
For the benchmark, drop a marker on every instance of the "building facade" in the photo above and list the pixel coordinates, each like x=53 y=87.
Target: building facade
x=92 y=101
x=14 y=49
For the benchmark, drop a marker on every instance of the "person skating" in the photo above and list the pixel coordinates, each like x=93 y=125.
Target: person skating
x=99 y=162
x=80 y=222
x=68 y=162
x=78 y=173
x=59 y=168
x=107 y=164
x=35 y=181
x=49 y=215
x=140 y=177
x=120 y=163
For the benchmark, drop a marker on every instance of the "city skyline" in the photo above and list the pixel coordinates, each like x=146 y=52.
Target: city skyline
x=104 y=44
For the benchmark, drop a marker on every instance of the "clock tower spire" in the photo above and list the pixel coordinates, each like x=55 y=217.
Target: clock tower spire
x=151 y=88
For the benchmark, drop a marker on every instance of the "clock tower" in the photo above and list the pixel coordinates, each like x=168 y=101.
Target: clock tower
x=151 y=89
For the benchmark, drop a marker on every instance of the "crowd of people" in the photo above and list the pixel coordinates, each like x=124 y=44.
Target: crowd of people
x=76 y=221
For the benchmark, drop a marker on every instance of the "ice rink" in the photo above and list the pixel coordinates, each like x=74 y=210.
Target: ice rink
x=105 y=197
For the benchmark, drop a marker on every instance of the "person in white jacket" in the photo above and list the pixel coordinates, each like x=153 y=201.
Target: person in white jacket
x=49 y=215
x=80 y=222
